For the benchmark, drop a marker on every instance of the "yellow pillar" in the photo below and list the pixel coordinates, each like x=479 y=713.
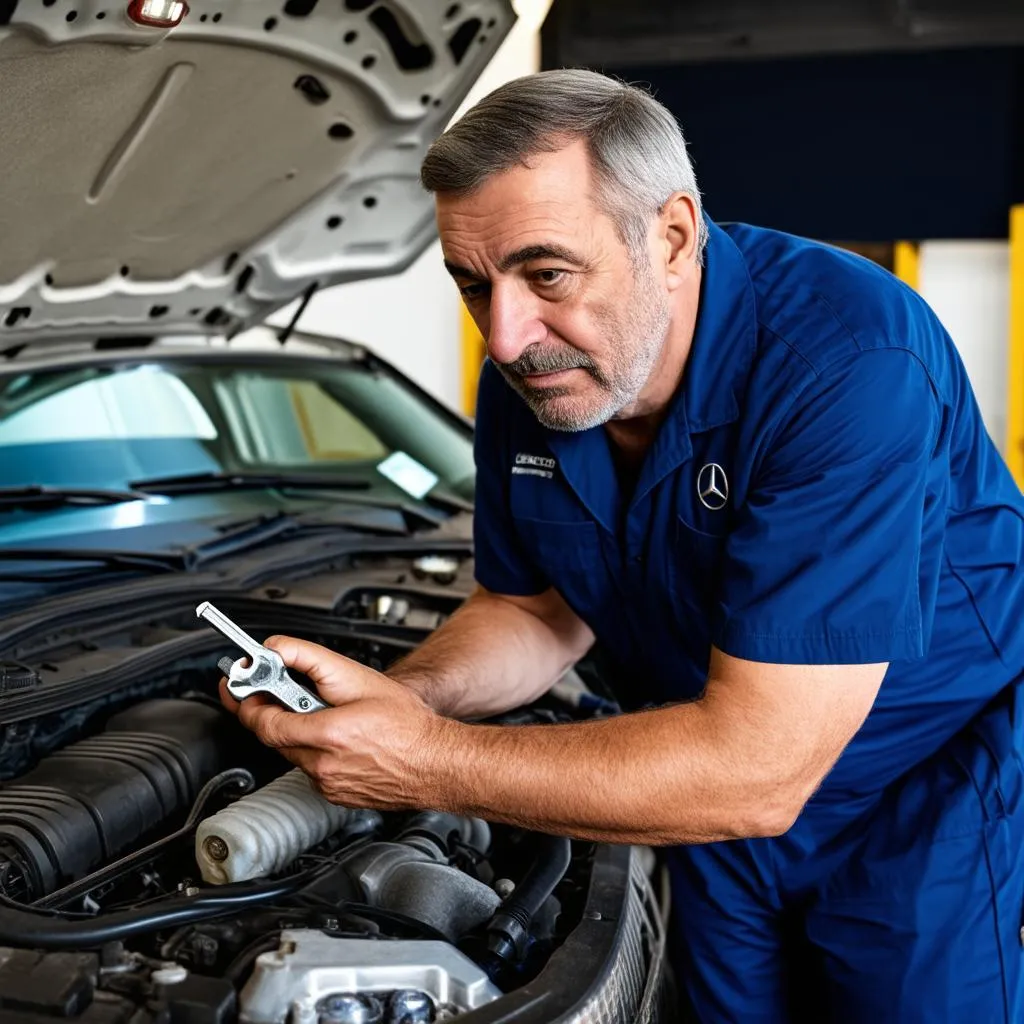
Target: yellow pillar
x=1015 y=350
x=472 y=359
x=905 y=263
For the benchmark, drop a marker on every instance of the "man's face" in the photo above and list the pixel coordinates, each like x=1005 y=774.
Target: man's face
x=569 y=320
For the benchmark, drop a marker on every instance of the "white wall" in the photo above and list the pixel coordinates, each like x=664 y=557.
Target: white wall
x=968 y=286
x=414 y=320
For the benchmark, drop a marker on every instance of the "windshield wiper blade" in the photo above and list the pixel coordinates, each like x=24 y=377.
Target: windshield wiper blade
x=163 y=562
x=238 y=538
x=447 y=500
x=248 y=534
x=227 y=480
x=40 y=496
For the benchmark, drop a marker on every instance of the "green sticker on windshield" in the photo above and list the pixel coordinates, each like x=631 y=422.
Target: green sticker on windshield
x=404 y=471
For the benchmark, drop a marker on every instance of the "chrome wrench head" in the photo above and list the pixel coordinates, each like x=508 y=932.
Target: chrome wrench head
x=238 y=636
x=266 y=671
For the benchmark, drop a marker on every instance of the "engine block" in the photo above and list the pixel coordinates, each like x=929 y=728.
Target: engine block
x=83 y=805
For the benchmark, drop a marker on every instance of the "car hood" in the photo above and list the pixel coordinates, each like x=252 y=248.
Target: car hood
x=202 y=176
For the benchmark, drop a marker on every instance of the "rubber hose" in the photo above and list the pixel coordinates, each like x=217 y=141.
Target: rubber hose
x=42 y=929
x=439 y=826
x=509 y=929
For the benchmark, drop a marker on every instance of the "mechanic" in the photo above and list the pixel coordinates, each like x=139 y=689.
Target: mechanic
x=752 y=467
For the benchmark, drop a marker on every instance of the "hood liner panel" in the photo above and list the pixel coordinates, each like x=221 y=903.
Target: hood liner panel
x=206 y=176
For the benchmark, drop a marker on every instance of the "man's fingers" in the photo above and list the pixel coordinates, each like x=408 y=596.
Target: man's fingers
x=275 y=726
x=338 y=678
x=307 y=657
x=226 y=698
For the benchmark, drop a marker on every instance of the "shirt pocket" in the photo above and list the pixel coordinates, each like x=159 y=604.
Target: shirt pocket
x=569 y=554
x=695 y=566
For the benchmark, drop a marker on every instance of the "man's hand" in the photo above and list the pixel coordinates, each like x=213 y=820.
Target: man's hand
x=378 y=746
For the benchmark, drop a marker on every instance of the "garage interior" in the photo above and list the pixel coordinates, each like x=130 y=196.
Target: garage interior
x=242 y=398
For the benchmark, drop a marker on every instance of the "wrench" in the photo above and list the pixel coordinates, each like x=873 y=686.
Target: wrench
x=266 y=672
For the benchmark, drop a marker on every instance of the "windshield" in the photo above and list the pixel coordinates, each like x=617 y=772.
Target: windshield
x=108 y=426
x=112 y=426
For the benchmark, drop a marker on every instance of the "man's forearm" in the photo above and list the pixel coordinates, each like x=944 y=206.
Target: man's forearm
x=492 y=655
x=658 y=777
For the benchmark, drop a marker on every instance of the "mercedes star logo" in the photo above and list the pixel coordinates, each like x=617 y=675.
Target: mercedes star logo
x=713 y=487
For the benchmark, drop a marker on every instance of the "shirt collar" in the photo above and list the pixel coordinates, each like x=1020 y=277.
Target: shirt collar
x=718 y=363
x=725 y=339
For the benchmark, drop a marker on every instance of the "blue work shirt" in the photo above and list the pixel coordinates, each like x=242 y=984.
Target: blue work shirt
x=822 y=491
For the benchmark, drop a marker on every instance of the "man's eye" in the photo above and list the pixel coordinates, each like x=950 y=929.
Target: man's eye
x=549 y=277
x=473 y=291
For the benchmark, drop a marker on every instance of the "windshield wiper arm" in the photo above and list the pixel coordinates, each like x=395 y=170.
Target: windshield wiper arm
x=198 y=483
x=40 y=496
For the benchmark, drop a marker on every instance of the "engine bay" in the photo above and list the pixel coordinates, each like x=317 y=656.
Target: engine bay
x=157 y=863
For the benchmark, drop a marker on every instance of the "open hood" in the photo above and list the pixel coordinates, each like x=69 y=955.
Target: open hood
x=197 y=177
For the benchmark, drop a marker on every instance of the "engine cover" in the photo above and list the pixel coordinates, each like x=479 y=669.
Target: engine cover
x=82 y=806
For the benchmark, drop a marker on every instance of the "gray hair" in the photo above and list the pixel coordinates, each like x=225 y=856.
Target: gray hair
x=636 y=148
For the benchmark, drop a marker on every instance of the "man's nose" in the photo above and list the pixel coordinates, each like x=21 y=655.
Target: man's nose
x=513 y=323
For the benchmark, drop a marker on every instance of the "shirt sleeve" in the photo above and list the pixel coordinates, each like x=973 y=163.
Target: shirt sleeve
x=831 y=560
x=502 y=566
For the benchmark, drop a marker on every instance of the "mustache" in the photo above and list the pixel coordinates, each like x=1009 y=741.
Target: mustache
x=536 y=358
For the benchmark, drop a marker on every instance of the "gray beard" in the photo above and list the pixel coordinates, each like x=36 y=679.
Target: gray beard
x=639 y=338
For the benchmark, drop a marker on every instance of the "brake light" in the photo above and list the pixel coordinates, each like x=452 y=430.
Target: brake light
x=157 y=13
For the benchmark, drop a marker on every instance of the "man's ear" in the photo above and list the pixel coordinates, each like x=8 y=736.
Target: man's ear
x=679 y=221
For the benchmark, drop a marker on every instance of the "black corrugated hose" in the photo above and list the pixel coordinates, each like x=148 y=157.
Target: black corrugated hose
x=509 y=929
